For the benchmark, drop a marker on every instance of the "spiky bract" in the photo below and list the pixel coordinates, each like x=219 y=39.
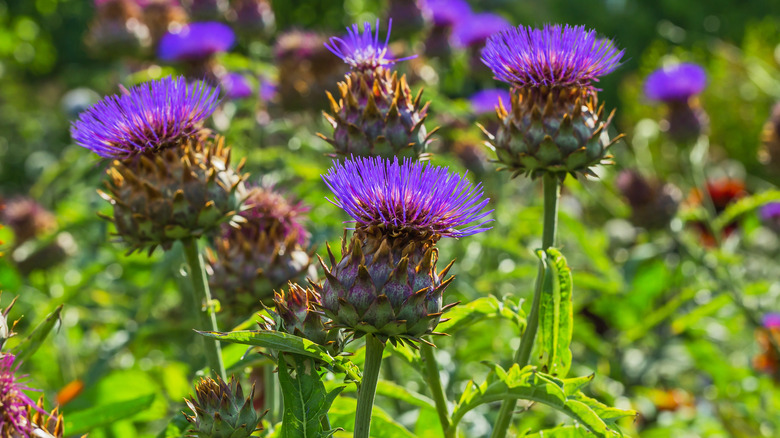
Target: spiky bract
x=407 y=200
x=376 y=113
x=261 y=253
x=384 y=287
x=177 y=193
x=220 y=410
x=149 y=117
x=554 y=56
x=554 y=124
x=45 y=425
x=297 y=312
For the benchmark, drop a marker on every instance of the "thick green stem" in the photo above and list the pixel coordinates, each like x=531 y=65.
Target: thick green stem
x=271 y=391
x=552 y=191
x=433 y=379
x=367 y=390
x=202 y=295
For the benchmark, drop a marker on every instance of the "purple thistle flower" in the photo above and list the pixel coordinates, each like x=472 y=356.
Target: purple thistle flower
x=554 y=56
x=196 y=41
x=675 y=83
x=363 y=51
x=148 y=117
x=772 y=320
x=475 y=29
x=485 y=101
x=770 y=211
x=14 y=403
x=448 y=12
x=407 y=197
x=236 y=86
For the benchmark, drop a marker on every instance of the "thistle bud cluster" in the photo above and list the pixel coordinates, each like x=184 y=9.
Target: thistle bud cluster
x=219 y=410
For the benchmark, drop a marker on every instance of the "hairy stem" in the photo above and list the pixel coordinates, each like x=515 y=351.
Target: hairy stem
x=202 y=295
x=552 y=191
x=367 y=390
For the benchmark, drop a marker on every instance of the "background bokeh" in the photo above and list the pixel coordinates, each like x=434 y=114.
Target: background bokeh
x=657 y=322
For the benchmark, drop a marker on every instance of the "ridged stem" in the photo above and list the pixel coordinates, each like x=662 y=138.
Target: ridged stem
x=272 y=396
x=433 y=379
x=552 y=192
x=367 y=390
x=202 y=296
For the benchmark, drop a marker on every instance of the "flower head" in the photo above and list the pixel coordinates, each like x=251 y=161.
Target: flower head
x=148 y=117
x=196 y=41
x=236 y=86
x=269 y=212
x=448 y=12
x=485 y=101
x=771 y=321
x=407 y=197
x=363 y=51
x=14 y=415
x=475 y=29
x=675 y=83
x=554 y=56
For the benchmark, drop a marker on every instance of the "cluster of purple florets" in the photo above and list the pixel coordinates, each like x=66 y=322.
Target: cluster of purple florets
x=15 y=405
x=147 y=117
x=363 y=50
x=407 y=196
x=554 y=56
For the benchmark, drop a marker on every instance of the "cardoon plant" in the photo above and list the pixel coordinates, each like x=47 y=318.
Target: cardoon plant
x=552 y=128
x=386 y=286
x=678 y=87
x=170 y=179
x=376 y=112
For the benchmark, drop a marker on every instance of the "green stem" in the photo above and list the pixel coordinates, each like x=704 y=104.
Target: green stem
x=552 y=191
x=202 y=295
x=271 y=393
x=433 y=379
x=367 y=390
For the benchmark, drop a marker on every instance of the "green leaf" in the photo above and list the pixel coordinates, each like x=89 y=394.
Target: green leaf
x=84 y=421
x=278 y=341
x=556 y=314
x=305 y=399
x=743 y=206
x=561 y=394
x=575 y=431
x=33 y=341
x=176 y=428
x=466 y=315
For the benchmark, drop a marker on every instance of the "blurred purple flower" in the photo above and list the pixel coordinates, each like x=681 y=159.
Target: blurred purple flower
x=196 y=41
x=770 y=211
x=475 y=29
x=772 y=320
x=236 y=86
x=363 y=51
x=675 y=83
x=148 y=117
x=485 y=101
x=407 y=197
x=268 y=89
x=14 y=404
x=448 y=12
x=552 y=56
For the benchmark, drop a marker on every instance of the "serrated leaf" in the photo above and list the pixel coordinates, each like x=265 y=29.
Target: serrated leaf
x=305 y=399
x=743 y=206
x=33 y=341
x=529 y=384
x=278 y=341
x=556 y=315
x=81 y=422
